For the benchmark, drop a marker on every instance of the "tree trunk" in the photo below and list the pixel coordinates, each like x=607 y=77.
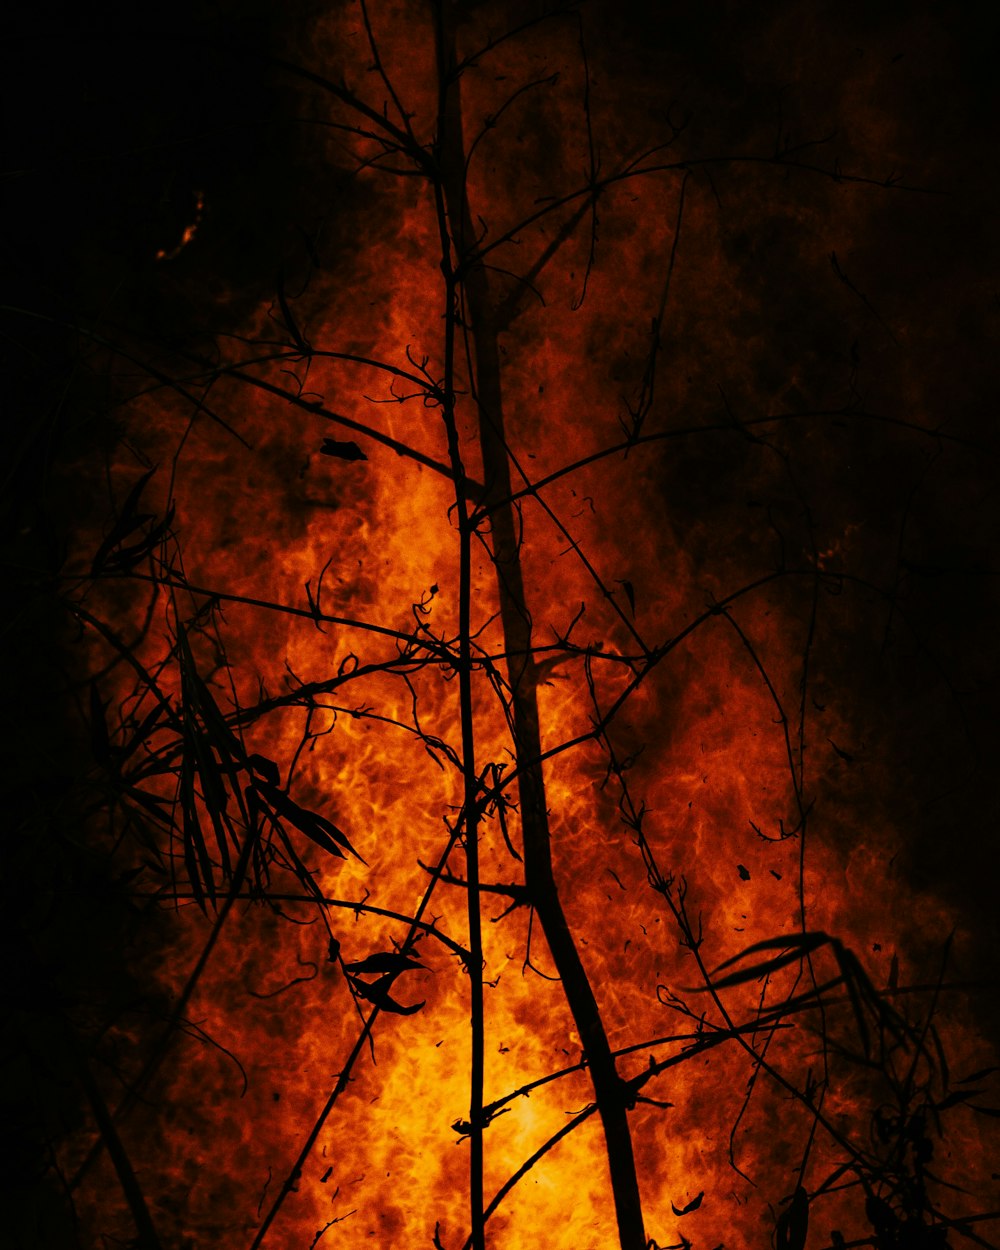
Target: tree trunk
x=609 y=1090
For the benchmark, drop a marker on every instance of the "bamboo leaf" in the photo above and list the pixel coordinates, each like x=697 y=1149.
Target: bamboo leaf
x=341 y=451
x=755 y=971
x=693 y=1205
x=126 y=558
x=384 y=961
x=958 y=1096
x=378 y=993
x=793 y=1223
x=266 y=768
x=793 y=947
x=127 y=522
x=315 y=827
x=629 y=594
x=290 y=323
x=978 y=1075
x=196 y=858
x=804 y=942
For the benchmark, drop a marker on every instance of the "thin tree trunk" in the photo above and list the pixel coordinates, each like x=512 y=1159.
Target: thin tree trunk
x=477 y=1067
x=610 y=1091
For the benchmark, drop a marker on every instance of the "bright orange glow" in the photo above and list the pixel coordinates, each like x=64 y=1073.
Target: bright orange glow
x=727 y=696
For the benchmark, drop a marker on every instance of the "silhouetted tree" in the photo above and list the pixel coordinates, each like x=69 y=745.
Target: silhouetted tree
x=482 y=495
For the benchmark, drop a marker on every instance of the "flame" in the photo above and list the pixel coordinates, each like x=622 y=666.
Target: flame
x=739 y=792
x=187 y=234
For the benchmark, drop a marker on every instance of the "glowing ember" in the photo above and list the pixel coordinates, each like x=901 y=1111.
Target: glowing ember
x=188 y=233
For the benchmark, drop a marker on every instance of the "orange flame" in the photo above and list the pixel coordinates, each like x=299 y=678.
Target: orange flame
x=717 y=765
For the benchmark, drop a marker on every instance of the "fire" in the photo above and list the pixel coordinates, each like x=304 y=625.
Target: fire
x=324 y=629
x=187 y=234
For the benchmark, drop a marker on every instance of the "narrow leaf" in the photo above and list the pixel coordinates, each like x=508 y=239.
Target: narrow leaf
x=629 y=594
x=341 y=451
x=693 y=1205
x=793 y=1223
x=378 y=993
x=980 y=1075
x=127 y=522
x=755 y=971
x=958 y=1096
x=290 y=323
x=803 y=941
x=317 y=828
x=384 y=961
x=267 y=769
x=196 y=857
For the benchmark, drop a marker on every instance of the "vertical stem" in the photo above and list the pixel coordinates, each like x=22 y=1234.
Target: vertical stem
x=610 y=1091
x=478 y=1058
x=470 y=774
x=477 y=1069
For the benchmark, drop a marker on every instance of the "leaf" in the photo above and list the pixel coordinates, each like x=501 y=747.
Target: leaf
x=143 y=731
x=267 y=769
x=693 y=1205
x=894 y=973
x=793 y=1223
x=196 y=858
x=317 y=828
x=978 y=1076
x=111 y=556
x=744 y=872
x=805 y=941
x=844 y=755
x=290 y=323
x=126 y=558
x=383 y=961
x=958 y=1096
x=378 y=993
x=854 y=981
x=199 y=700
x=794 y=947
x=154 y=803
x=341 y=451
x=200 y=755
x=127 y=522
x=629 y=594
x=333 y=953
